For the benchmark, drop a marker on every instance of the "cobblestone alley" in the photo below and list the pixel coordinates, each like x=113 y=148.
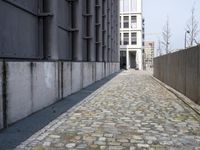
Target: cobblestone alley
x=132 y=111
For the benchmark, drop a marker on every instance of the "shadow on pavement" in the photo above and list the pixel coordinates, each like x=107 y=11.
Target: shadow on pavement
x=20 y=131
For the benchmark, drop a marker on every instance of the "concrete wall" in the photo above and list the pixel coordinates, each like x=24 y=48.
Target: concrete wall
x=31 y=86
x=181 y=70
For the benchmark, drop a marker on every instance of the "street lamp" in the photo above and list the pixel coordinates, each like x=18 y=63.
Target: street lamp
x=186 y=37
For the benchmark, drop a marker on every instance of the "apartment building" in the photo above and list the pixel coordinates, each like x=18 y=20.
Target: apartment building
x=131 y=34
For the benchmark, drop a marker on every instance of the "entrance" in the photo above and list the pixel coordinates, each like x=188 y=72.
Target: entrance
x=132 y=58
x=122 y=59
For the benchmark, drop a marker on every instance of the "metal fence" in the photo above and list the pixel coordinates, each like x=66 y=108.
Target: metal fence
x=72 y=30
x=181 y=70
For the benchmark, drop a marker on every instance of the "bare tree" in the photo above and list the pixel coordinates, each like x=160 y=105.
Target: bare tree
x=192 y=29
x=166 y=35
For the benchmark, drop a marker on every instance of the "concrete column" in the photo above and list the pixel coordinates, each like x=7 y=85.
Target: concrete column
x=50 y=30
x=109 y=29
x=127 y=59
x=139 y=59
x=92 y=51
x=77 y=30
x=104 y=30
x=98 y=28
x=117 y=33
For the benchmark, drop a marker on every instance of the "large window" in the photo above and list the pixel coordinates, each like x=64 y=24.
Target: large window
x=126 y=21
x=133 y=38
x=133 y=22
x=126 y=38
x=133 y=5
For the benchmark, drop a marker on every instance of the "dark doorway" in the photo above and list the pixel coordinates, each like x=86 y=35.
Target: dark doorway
x=132 y=58
x=122 y=59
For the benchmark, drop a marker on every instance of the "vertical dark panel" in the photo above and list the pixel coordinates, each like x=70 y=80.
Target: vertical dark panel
x=98 y=29
x=109 y=29
x=76 y=30
x=50 y=30
x=104 y=30
x=192 y=70
x=64 y=35
x=17 y=17
x=181 y=71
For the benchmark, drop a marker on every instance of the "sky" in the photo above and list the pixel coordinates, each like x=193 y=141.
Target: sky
x=155 y=13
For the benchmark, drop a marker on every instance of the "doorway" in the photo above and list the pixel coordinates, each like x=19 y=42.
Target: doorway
x=132 y=58
x=122 y=59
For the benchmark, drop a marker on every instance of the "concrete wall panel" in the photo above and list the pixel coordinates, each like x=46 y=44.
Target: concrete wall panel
x=19 y=92
x=44 y=80
x=88 y=77
x=99 y=71
x=77 y=74
x=67 y=77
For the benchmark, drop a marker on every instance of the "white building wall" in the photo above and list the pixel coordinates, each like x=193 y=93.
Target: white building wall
x=138 y=47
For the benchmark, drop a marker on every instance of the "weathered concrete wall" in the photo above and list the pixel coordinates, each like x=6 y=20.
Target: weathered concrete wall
x=45 y=80
x=99 y=71
x=19 y=90
x=181 y=70
x=31 y=86
x=27 y=86
x=77 y=76
x=88 y=73
x=67 y=79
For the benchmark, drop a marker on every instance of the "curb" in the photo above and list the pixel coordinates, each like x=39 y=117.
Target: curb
x=195 y=107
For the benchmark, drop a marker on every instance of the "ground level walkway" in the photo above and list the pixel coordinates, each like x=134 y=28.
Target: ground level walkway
x=131 y=111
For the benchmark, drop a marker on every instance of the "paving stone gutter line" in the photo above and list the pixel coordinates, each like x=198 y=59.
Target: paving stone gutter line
x=195 y=107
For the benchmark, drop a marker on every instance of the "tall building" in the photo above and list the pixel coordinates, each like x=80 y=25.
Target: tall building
x=131 y=34
x=148 y=55
x=50 y=49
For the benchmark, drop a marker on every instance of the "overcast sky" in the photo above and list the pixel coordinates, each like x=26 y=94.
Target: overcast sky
x=178 y=11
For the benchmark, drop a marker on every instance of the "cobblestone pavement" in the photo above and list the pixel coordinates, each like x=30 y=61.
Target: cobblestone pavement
x=132 y=111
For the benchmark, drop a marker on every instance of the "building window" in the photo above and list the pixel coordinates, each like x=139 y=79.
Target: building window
x=126 y=38
x=133 y=38
x=133 y=5
x=126 y=21
x=133 y=22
